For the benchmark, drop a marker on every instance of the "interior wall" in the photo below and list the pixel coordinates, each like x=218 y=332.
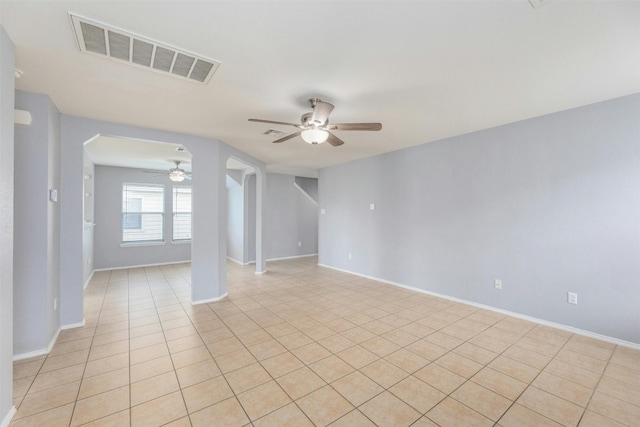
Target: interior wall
x=36 y=226
x=88 y=218
x=235 y=222
x=53 y=220
x=308 y=185
x=109 y=252
x=548 y=205
x=250 y=218
x=291 y=219
x=7 y=105
x=208 y=246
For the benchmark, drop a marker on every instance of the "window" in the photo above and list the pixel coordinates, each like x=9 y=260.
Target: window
x=132 y=221
x=142 y=213
x=181 y=213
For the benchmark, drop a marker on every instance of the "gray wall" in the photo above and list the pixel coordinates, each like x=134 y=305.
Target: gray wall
x=547 y=205
x=292 y=219
x=235 y=220
x=309 y=186
x=7 y=81
x=88 y=218
x=36 y=225
x=208 y=246
x=108 y=252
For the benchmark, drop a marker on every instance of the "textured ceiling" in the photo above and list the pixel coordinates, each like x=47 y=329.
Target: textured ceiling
x=425 y=69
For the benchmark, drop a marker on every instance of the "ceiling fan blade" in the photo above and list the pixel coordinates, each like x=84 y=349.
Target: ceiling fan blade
x=321 y=111
x=274 y=122
x=334 y=140
x=288 y=137
x=355 y=126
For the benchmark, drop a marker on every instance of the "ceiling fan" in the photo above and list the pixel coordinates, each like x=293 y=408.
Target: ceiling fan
x=315 y=127
x=176 y=174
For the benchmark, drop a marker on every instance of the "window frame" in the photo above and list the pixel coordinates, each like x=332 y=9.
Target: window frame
x=174 y=213
x=129 y=186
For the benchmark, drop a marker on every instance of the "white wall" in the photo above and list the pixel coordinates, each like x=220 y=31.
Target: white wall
x=7 y=94
x=108 y=249
x=548 y=205
x=36 y=226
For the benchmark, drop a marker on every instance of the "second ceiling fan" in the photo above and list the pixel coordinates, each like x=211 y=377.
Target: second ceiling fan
x=315 y=128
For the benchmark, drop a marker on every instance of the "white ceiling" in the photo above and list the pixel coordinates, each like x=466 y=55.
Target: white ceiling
x=425 y=69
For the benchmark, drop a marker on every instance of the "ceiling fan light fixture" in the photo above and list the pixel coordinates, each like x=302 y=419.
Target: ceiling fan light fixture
x=176 y=176
x=315 y=136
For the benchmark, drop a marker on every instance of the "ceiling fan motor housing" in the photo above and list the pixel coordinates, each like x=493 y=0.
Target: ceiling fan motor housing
x=307 y=121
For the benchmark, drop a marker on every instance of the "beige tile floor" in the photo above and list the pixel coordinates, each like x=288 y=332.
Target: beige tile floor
x=304 y=345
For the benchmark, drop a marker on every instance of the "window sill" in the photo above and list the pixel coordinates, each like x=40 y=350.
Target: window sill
x=181 y=242
x=133 y=244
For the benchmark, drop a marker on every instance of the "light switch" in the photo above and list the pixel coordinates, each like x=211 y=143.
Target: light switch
x=53 y=195
x=372 y=206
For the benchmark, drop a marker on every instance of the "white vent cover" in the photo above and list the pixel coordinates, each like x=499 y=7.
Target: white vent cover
x=98 y=38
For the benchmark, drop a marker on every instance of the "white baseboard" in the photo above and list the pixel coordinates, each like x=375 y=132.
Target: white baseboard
x=39 y=352
x=73 y=325
x=284 y=258
x=204 y=301
x=292 y=257
x=238 y=262
x=142 y=265
x=30 y=354
x=8 y=417
x=571 y=329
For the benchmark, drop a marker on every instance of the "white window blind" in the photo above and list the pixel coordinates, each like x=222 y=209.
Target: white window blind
x=181 y=213
x=142 y=213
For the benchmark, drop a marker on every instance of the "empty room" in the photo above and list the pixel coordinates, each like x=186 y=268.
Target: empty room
x=320 y=213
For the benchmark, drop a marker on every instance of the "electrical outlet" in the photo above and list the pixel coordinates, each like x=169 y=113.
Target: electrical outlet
x=497 y=284
x=572 y=298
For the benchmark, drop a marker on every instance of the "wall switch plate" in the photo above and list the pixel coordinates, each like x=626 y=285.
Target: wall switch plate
x=350 y=255
x=299 y=244
x=53 y=195
x=322 y=211
x=572 y=298
x=372 y=206
x=55 y=304
x=497 y=284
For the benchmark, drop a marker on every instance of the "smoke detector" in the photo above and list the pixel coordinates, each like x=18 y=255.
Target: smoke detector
x=125 y=47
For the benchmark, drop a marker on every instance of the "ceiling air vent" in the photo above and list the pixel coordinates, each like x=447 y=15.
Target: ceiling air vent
x=98 y=38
